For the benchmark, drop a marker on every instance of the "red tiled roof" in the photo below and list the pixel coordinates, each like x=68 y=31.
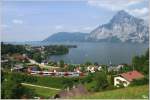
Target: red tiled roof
x=132 y=75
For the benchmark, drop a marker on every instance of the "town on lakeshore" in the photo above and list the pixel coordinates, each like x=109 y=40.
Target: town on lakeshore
x=30 y=67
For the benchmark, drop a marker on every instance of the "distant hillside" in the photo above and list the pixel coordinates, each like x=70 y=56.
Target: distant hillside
x=66 y=37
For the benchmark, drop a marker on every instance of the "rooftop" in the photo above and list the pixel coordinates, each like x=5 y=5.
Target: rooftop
x=130 y=76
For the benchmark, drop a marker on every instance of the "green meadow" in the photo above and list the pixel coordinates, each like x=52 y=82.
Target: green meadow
x=136 y=92
x=42 y=92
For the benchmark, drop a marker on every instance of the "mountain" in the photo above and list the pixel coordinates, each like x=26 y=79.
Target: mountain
x=66 y=37
x=123 y=27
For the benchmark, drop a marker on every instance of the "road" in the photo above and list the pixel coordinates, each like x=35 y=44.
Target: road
x=40 y=86
x=41 y=65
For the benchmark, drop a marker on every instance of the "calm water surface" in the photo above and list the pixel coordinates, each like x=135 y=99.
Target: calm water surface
x=102 y=53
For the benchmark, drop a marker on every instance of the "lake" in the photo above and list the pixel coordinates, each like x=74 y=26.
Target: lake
x=102 y=53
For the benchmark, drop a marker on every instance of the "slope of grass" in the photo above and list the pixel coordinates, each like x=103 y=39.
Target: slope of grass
x=136 y=92
x=42 y=92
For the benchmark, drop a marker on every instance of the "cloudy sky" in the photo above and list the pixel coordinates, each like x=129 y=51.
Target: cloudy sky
x=33 y=20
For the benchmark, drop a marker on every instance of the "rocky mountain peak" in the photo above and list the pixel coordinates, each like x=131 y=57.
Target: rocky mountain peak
x=122 y=27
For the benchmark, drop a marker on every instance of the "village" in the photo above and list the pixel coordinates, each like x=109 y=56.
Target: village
x=43 y=69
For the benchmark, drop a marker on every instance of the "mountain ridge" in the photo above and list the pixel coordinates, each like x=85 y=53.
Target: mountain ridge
x=123 y=27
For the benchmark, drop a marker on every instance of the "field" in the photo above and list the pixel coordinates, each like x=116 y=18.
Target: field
x=136 y=92
x=42 y=92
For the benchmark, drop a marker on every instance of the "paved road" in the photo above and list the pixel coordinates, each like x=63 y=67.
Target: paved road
x=40 y=86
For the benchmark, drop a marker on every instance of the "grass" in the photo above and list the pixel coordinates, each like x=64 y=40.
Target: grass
x=42 y=92
x=136 y=92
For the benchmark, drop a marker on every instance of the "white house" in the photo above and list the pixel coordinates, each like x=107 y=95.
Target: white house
x=91 y=69
x=126 y=78
x=120 y=66
x=118 y=80
x=99 y=68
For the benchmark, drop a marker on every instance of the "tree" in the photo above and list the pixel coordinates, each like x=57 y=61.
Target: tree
x=126 y=68
x=101 y=81
x=67 y=83
x=61 y=63
x=83 y=69
x=37 y=57
x=96 y=63
x=70 y=68
x=88 y=63
x=11 y=89
x=7 y=89
x=141 y=63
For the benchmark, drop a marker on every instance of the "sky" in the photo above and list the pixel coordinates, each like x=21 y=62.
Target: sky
x=35 y=20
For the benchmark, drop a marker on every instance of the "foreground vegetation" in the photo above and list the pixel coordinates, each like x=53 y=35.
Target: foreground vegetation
x=136 y=92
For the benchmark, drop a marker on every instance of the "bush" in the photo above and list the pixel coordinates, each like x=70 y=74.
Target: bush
x=96 y=82
x=142 y=81
x=91 y=86
x=12 y=89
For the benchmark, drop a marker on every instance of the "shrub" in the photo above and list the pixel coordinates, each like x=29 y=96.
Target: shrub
x=101 y=81
x=142 y=81
x=91 y=86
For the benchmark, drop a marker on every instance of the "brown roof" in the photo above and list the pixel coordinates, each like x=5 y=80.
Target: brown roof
x=130 y=76
x=19 y=57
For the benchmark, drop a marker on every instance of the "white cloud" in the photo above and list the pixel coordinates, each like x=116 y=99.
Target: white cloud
x=59 y=27
x=17 y=21
x=141 y=11
x=113 y=4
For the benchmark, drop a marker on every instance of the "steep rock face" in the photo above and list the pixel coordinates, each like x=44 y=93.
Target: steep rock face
x=122 y=27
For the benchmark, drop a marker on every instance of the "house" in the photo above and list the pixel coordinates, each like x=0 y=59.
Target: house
x=77 y=69
x=20 y=57
x=99 y=68
x=18 y=68
x=116 y=67
x=126 y=78
x=33 y=69
x=119 y=67
x=4 y=61
x=91 y=69
x=94 y=68
x=45 y=62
